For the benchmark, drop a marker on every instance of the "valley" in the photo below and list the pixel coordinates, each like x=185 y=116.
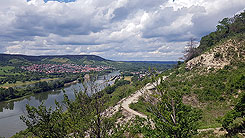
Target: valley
x=122 y=69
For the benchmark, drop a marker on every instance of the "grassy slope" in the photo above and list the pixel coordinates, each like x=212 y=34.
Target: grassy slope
x=6 y=70
x=212 y=91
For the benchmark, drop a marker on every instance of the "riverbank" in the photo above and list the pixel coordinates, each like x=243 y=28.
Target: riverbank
x=21 y=84
x=39 y=87
x=31 y=94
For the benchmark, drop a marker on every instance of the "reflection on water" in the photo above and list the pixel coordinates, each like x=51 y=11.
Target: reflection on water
x=9 y=105
x=42 y=97
x=10 y=111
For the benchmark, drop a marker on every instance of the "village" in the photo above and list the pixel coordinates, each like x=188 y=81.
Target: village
x=63 y=68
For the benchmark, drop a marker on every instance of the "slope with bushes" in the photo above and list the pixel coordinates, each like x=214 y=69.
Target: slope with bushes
x=212 y=81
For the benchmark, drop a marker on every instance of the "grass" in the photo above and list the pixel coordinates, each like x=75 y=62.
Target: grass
x=6 y=70
x=16 y=61
x=140 y=106
x=208 y=134
x=20 y=83
x=120 y=93
x=60 y=60
x=211 y=113
x=128 y=78
x=88 y=62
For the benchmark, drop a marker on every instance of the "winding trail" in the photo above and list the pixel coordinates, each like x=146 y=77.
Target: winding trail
x=125 y=102
x=133 y=99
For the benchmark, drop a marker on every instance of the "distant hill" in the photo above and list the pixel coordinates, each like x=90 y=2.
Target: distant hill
x=154 y=62
x=13 y=59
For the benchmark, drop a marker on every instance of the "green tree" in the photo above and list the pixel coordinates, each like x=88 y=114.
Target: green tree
x=44 y=122
x=234 y=120
x=172 y=118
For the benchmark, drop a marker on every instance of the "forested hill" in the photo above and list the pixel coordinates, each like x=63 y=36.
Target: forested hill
x=228 y=28
x=12 y=59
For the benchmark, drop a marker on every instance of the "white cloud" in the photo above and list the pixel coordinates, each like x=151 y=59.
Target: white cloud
x=114 y=29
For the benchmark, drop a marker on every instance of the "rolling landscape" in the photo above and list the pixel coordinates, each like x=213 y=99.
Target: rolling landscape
x=122 y=69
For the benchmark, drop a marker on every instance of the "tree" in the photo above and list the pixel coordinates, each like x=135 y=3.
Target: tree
x=169 y=116
x=77 y=113
x=83 y=117
x=44 y=122
x=190 y=51
x=100 y=126
x=174 y=119
x=234 y=120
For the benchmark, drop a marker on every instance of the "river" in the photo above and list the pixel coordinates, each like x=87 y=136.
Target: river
x=10 y=112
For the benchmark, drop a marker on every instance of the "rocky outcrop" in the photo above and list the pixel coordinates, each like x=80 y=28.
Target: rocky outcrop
x=219 y=56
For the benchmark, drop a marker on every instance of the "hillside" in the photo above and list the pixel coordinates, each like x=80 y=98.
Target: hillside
x=212 y=81
x=22 y=60
x=11 y=59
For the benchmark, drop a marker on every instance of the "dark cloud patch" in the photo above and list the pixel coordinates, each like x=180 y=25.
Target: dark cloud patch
x=120 y=14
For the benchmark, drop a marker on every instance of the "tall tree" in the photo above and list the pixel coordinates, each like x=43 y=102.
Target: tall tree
x=169 y=116
x=190 y=50
x=44 y=122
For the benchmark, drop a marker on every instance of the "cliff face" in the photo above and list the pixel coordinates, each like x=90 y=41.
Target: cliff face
x=219 y=56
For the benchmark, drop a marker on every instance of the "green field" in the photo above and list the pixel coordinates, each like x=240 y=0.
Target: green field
x=6 y=70
x=20 y=83
x=60 y=60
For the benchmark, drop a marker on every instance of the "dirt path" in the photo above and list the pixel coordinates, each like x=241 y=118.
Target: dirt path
x=124 y=105
x=125 y=102
x=218 y=131
x=133 y=99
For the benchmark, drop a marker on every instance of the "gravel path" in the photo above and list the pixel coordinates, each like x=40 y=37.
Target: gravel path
x=125 y=102
x=133 y=99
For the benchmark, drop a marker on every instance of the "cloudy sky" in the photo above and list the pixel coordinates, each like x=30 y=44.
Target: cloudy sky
x=114 y=29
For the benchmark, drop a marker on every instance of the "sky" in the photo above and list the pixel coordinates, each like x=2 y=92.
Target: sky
x=121 y=30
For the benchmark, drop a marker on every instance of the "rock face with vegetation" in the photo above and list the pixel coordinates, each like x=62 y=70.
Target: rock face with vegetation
x=219 y=56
